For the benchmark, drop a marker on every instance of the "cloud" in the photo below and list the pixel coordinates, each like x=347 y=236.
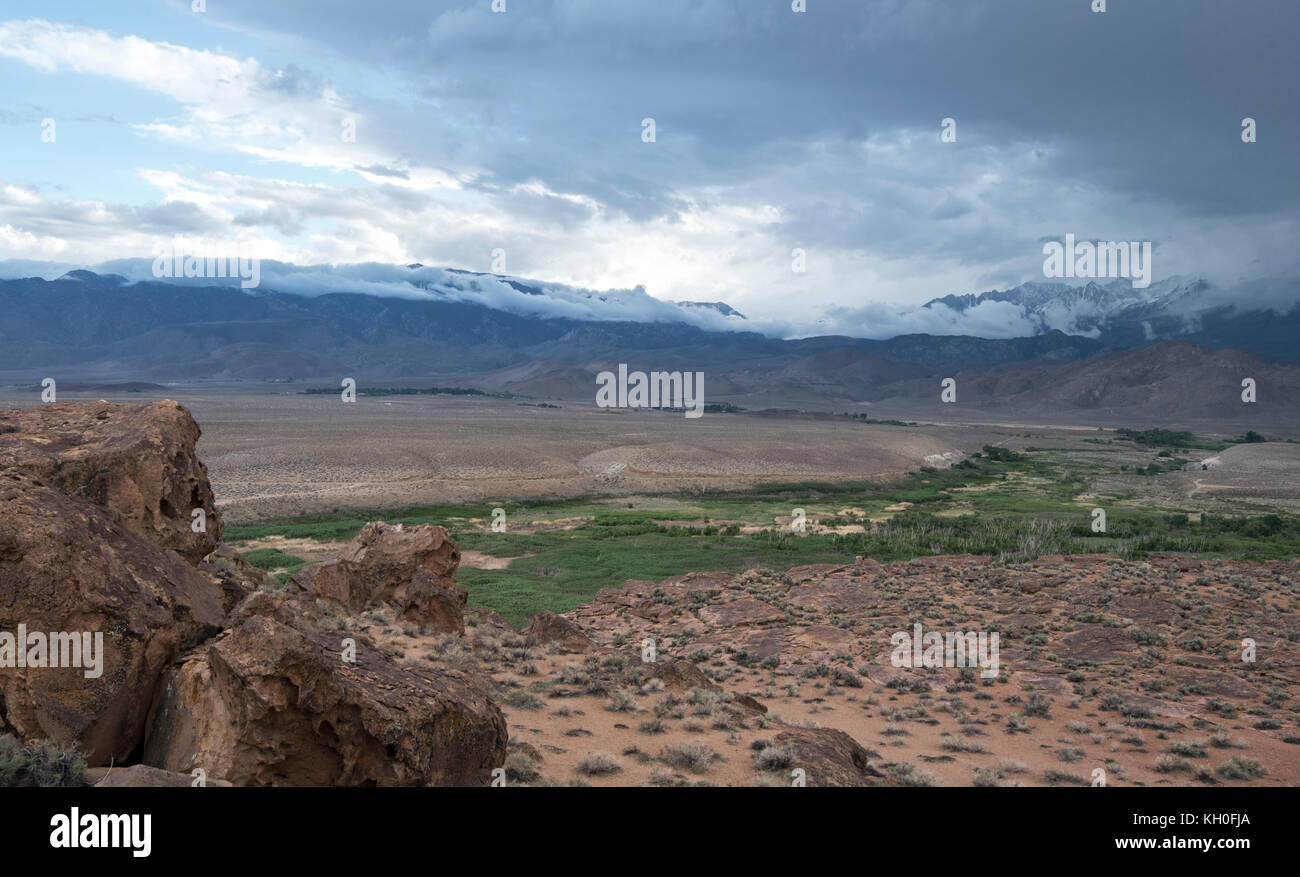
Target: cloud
x=776 y=131
x=286 y=114
x=986 y=320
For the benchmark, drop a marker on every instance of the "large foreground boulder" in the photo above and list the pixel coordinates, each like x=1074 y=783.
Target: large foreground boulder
x=136 y=460
x=274 y=702
x=71 y=568
x=410 y=568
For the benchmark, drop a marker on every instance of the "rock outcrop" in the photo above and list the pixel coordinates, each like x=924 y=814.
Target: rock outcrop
x=100 y=568
x=274 y=702
x=70 y=567
x=829 y=757
x=547 y=627
x=236 y=577
x=409 y=568
x=138 y=461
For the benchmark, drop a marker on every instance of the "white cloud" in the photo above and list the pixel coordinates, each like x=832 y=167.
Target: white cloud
x=277 y=115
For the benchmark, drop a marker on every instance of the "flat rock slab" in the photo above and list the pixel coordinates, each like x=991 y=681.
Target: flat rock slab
x=836 y=596
x=1096 y=644
x=1217 y=684
x=143 y=776
x=743 y=611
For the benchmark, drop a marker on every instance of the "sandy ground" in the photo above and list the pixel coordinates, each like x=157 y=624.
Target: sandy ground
x=276 y=453
x=810 y=649
x=1268 y=471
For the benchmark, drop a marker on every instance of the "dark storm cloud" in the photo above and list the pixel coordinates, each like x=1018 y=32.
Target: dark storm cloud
x=1144 y=100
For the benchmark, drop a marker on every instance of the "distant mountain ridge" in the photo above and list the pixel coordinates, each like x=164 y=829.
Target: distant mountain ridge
x=98 y=329
x=105 y=327
x=479 y=329
x=1259 y=317
x=720 y=306
x=1075 y=310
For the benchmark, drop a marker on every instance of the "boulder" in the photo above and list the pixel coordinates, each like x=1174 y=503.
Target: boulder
x=682 y=675
x=142 y=776
x=411 y=568
x=71 y=567
x=272 y=703
x=829 y=757
x=837 y=594
x=547 y=627
x=136 y=460
x=433 y=601
x=679 y=674
x=235 y=575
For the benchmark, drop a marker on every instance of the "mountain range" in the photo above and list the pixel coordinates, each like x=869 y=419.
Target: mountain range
x=468 y=329
x=1260 y=317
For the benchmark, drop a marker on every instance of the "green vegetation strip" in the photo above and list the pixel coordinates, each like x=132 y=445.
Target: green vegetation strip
x=1000 y=503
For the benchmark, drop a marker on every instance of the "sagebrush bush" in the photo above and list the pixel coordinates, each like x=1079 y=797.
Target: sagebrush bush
x=45 y=765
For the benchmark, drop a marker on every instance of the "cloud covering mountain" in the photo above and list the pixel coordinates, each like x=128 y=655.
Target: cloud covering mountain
x=1172 y=308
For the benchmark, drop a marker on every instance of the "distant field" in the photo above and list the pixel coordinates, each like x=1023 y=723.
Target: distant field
x=271 y=456
x=1011 y=505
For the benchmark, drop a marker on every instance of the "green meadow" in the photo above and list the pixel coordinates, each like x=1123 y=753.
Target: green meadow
x=1011 y=506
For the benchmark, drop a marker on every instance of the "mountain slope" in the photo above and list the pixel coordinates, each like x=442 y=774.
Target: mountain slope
x=104 y=327
x=1166 y=382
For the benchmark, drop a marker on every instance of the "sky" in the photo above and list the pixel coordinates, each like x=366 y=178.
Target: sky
x=331 y=133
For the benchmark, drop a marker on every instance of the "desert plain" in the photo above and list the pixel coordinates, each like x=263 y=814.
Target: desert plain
x=717 y=597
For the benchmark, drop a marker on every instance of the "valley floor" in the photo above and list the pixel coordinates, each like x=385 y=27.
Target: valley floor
x=768 y=559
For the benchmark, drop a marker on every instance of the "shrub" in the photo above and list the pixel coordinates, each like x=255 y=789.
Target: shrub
x=523 y=700
x=908 y=775
x=1039 y=705
x=621 y=701
x=774 y=757
x=692 y=757
x=960 y=744
x=598 y=764
x=1188 y=748
x=652 y=726
x=521 y=768
x=846 y=677
x=45 y=765
x=1172 y=764
x=1238 y=768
